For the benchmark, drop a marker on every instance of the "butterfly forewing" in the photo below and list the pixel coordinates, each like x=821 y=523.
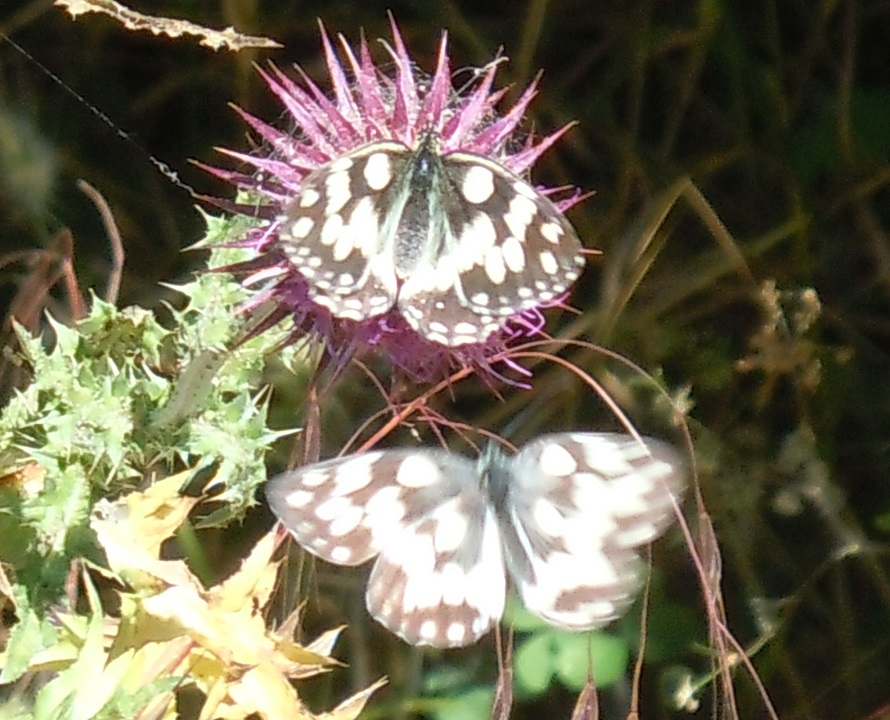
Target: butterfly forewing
x=335 y=231
x=345 y=509
x=456 y=241
x=515 y=249
x=576 y=507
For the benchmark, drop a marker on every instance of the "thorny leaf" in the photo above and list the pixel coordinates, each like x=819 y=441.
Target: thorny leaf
x=350 y=708
x=132 y=529
x=260 y=690
x=174 y=631
x=91 y=684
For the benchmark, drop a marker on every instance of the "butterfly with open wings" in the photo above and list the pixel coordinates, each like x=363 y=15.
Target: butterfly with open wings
x=562 y=517
x=455 y=241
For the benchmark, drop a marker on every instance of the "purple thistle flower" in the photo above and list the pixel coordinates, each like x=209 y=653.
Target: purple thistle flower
x=396 y=217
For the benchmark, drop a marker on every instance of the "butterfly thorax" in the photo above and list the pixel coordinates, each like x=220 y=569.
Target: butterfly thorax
x=418 y=187
x=494 y=476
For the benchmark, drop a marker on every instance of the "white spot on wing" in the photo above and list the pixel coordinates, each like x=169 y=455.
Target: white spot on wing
x=456 y=633
x=629 y=495
x=338 y=191
x=548 y=518
x=454 y=582
x=299 y=498
x=378 y=171
x=417 y=471
x=309 y=198
x=486 y=584
x=417 y=559
x=314 y=478
x=494 y=266
x=478 y=184
x=384 y=511
x=465 y=328
x=523 y=188
x=341 y=163
x=638 y=535
x=556 y=460
x=548 y=262
x=302 y=227
x=365 y=223
x=440 y=338
x=552 y=232
x=332 y=507
x=331 y=230
x=340 y=554
x=605 y=457
x=451 y=527
x=519 y=216
x=514 y=255
x=478 y=236
x=383 y=269
x=347 y=241
x=354 y=474
x=346 y=521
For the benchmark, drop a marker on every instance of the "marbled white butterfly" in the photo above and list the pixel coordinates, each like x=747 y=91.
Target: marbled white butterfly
x=563 y=516
x=456 y=241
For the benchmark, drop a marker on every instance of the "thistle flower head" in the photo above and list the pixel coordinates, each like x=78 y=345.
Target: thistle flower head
x=396 y=217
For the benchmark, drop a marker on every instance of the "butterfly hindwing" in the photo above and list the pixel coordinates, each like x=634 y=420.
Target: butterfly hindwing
x=439 y=575
x=440 y=581
x=577 y=506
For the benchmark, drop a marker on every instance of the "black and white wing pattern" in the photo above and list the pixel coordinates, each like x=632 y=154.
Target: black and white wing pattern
x=439 y=575
x=576 y=506
x=562 y=517
x=455 y=241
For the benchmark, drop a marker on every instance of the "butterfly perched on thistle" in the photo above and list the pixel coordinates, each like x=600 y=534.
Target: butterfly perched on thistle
x=397 y=213
x=457 y=242
x=562 y=518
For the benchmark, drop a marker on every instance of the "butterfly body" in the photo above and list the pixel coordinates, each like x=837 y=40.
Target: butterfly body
x=561 y=517
x=455 y=241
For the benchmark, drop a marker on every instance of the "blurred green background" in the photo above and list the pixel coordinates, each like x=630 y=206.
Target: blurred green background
x=778 y=111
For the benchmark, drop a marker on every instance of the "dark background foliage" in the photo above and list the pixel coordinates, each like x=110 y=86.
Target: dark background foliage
x=779 y=113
